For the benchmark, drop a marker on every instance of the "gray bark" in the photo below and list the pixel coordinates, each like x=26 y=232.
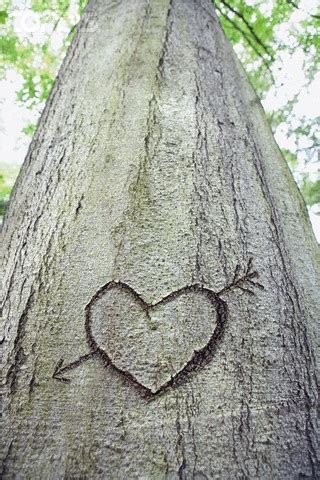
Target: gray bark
x=157 y=243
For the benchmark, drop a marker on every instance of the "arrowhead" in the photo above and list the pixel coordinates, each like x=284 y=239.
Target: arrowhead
x=58 y=371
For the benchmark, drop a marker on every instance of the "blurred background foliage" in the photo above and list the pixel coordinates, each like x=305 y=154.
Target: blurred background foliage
x=267 y=36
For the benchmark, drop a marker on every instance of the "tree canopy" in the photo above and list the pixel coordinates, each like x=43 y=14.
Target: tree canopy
x=267 y=36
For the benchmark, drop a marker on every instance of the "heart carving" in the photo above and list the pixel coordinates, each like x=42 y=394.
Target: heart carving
x=154 y=345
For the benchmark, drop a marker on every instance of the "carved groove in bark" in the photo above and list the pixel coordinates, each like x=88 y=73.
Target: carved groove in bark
x=153 y=165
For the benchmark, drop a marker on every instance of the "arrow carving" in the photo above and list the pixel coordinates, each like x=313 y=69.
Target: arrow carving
x=240 y=281
x=60 y=370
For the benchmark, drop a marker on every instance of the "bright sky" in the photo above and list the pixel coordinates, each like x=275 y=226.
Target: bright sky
x=288 y=73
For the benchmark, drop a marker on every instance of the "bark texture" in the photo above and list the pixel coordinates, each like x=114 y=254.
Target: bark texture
x=152 y=196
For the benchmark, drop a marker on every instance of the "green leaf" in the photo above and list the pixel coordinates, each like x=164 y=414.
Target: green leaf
x=5 y=190
x=291 y=158
x=311 y=191
x=29 y=129
x=3 y=17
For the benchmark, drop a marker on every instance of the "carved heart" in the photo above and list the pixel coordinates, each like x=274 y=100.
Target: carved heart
x=153 y=345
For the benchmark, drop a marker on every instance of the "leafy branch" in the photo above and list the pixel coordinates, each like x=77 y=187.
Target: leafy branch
x=249 y=41
x=302 y=9
x=250 y=28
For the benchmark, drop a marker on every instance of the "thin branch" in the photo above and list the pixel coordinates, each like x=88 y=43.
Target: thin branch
x=248 y=40
x=60 y=17
x=303 y=10
x=253 y=33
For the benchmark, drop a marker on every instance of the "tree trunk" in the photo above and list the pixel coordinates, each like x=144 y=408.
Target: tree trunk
x=161 y=279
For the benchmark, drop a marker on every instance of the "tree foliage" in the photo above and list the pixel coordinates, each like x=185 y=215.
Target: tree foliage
x=4 y=194
x=34 y=40
x=266 y=35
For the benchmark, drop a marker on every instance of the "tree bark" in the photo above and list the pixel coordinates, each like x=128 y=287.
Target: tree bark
x=161 y=278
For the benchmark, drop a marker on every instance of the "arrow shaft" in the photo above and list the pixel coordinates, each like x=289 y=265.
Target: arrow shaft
x=76 y=363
